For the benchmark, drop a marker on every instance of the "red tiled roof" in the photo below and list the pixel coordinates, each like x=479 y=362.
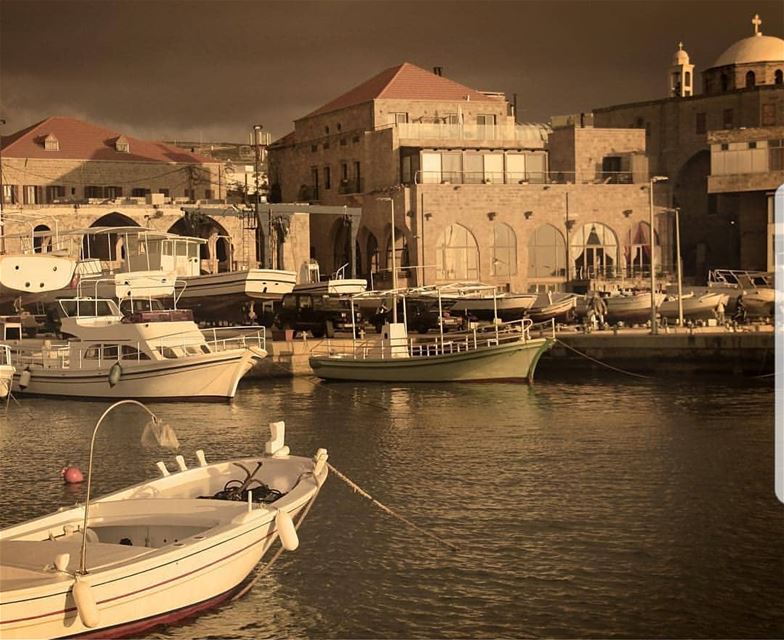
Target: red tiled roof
x=85 y=141
x=404 y=82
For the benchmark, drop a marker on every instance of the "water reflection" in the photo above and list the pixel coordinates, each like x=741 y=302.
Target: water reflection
x=588 y=508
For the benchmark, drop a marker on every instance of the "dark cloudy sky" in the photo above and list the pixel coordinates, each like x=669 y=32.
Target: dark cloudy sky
x=210 y=69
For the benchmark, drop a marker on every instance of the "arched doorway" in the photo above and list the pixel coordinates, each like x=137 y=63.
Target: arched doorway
x=638 y=250
x=217 y=253
x=371 y=254
x=42 y=239
x=341 y=245
x=593 y=249
x=109 y=247
x=457 y=254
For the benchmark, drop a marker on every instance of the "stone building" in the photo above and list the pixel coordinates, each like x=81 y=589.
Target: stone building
x=722 y=150
x=473 y=194
x=63 y=174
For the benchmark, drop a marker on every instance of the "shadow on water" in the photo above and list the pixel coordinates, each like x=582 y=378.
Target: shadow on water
x=582 y=507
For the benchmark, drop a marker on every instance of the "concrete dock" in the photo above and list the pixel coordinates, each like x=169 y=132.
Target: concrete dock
x=747 y=352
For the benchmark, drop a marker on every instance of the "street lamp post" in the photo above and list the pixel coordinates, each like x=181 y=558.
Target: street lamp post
x=654 y=180
x=257 y=142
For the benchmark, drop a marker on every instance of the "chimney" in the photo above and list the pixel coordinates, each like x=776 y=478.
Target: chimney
x=437 y=70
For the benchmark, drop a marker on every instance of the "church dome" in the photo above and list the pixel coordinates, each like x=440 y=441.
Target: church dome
x=757 y=48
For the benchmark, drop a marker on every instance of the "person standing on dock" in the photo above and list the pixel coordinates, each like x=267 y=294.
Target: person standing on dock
x=720 y=312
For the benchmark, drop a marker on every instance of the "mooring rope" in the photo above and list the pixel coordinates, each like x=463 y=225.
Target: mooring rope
x=604 y=364
x=357 y=489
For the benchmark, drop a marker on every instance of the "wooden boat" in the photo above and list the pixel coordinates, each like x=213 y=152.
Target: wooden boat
x=506 y=306
x=631 y=308
x=503 y=351
x=154 y=552
x=560 y=308
x=695 y=307
x=146 y=354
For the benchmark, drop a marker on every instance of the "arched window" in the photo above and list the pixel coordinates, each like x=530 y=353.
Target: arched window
x=778 y=77
x=504 y=250
x=593 y=250
x=687 y=79
x=725 y=82
x=750 y=79
x=457 y=254
x=638 y=249
x=341 y=245
x=546 y=253
x=223 y=253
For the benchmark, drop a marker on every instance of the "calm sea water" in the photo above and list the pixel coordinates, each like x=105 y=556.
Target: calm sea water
x=587 y=507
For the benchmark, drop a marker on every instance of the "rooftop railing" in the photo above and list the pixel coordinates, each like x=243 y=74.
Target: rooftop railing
x=525 y=177
x=532 y=136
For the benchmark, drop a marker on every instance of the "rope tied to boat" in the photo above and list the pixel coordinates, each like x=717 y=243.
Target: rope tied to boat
x=357 y=489
x=603 y=364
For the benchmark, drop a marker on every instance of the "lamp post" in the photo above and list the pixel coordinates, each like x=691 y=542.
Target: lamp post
x=392 y=251
x=654 y=180
x=678 y=265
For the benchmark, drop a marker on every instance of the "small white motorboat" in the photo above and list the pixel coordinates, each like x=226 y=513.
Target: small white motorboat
x=157 y=551
x=549 y=306
x=695 y=307
x=481 y=302
x=158 y=354
x=336 y=284
x=631 y=308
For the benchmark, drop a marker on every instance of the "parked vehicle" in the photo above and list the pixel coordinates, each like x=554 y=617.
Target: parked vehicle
x=321 y=314
x=421 y=315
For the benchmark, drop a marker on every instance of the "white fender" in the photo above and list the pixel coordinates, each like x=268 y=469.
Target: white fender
x=286 y=531
x=4 y=389
x=115 y=373
x=24 y=378
x=85 y=603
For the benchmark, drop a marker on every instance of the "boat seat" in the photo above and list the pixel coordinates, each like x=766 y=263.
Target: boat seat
x=24 y=559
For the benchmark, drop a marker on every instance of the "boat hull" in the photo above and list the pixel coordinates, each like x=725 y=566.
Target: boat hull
x=695 y=308
x=510 y=307
x=209 y=377
x=509 y=361
x=180 y=555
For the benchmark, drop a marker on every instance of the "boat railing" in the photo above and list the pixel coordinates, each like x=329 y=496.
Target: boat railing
x=5 y=354
x=478 y=336
x=225 y=338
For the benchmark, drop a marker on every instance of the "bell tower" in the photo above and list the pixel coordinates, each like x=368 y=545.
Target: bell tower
x=681 y=75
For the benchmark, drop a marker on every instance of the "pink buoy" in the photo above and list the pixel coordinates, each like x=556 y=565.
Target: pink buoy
x=72 y=475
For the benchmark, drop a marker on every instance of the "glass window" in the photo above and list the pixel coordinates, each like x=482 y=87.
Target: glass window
x=93 y=353
x=504 y=250
x=110 y=352
x=457 y=254
x=132 y=353
x=168 y=352
x=474 y=168
x=593 y=250
x=546 y=253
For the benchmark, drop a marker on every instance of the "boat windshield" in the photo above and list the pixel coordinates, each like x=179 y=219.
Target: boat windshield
x=80 y=307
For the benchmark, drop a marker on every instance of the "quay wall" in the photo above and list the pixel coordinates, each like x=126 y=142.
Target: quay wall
x=747 y=353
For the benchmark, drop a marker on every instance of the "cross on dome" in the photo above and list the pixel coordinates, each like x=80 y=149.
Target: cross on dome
x=680 y=46
x=756 y=22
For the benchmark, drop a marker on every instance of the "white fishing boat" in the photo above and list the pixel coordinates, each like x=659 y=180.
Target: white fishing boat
x=631 y=308
x=144 y=354
x=482 y=302
x=155 y=552
x=695 y=307
x=549 y=306
x=499 y=351
x=23 y=275
x=335 y=284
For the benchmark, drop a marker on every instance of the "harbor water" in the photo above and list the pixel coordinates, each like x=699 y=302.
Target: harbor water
x=587 y=507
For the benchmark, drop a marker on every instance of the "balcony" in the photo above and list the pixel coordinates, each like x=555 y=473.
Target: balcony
x=498 y=135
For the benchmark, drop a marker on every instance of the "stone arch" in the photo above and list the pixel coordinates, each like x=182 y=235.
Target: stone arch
x=546 y=253
x=690 y=193
x=751 y=79
x=778 y=77
x=402 y=258
x=340 y=240
x=371 y=254
x=724 y=82
x=593 y=251
x=42 y=239
x=457 y=254
x=217 y=253
x=504 y=258
x=109 y=247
